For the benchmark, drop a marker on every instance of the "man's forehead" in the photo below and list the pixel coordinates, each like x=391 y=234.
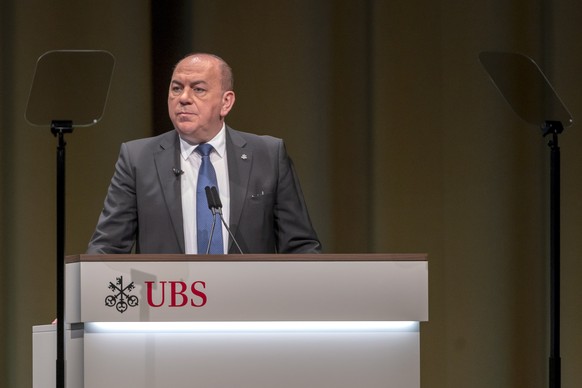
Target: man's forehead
x=195 y=58
x=194 y=65
x=198 y=59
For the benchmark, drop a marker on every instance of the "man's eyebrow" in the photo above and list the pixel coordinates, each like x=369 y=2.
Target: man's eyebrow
x=197 y=82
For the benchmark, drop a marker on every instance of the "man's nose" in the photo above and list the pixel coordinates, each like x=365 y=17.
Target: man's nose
x=186 y=96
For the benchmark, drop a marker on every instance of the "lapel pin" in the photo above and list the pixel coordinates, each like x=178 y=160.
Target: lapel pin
x=244 y=157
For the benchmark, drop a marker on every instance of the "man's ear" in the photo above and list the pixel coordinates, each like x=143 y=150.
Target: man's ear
x=228 y=99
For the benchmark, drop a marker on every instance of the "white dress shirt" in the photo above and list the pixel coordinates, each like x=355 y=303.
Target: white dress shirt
x=190 y=164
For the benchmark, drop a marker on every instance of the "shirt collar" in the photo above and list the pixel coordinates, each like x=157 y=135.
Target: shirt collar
x=218 y=142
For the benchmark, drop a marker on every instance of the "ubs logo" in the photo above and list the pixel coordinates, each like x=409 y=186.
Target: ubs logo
x=121 y=298
x=178 y=293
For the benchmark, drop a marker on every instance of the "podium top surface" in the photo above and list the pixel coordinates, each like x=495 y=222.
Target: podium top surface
x=251 y=257
x=241 y=288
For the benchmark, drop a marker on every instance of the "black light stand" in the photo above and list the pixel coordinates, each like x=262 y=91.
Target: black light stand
x=554 y=128
x=529 y=93
x=72 y=84
x=58 y=129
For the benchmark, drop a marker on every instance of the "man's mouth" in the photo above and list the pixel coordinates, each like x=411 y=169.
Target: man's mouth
x=185 y=115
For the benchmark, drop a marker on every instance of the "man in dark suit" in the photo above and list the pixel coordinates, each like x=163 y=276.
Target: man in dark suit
x=150 y=204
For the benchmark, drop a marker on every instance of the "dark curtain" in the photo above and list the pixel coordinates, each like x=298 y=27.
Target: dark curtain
x=171 y=41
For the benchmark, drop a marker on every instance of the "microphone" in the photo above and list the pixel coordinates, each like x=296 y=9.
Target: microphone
x=218 y=208
x=212 y=207
x=177 y=172
x=210 y=199
x=216 y=199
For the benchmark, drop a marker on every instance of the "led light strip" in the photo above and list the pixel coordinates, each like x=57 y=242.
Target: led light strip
x=275 y=326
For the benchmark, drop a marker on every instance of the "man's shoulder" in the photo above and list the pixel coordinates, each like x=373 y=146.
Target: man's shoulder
x=253 y=138
x=165 y=140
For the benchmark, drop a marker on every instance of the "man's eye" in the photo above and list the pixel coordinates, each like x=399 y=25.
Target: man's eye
x=198 y=90
x=176 y=89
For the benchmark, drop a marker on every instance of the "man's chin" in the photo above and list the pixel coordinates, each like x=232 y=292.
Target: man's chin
x=196 y=133
x=191 y=134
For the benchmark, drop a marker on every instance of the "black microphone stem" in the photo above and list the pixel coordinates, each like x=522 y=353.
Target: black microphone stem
x=211 y=232
x=218 y=205
x=212 y=206
x=230 y=232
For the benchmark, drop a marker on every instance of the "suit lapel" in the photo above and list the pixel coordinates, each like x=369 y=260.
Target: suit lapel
x=167 y=158
x=240 y=159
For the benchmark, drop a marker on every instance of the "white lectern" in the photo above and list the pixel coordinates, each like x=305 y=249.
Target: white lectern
x=239 y=321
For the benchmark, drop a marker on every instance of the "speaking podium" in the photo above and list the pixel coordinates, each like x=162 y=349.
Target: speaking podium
x=328 y=320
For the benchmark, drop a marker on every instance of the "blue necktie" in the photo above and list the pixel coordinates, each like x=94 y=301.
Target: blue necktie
x=204 y=217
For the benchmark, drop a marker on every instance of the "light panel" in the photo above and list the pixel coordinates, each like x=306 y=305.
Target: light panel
x=274 y=326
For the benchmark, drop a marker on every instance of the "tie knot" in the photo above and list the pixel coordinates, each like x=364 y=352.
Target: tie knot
x=204 y=149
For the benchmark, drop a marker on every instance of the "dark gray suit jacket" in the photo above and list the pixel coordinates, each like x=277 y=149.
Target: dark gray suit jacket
x=144 y=206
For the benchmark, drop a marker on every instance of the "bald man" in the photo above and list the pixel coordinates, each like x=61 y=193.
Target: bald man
x=150 y=205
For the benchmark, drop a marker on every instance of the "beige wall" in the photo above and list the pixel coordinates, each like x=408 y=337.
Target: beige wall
x=29 y=154
x=400 y=140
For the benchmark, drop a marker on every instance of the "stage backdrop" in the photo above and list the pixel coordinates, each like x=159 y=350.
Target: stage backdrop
x=401 y=143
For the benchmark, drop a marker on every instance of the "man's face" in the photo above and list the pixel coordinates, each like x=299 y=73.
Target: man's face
x=197 y=103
